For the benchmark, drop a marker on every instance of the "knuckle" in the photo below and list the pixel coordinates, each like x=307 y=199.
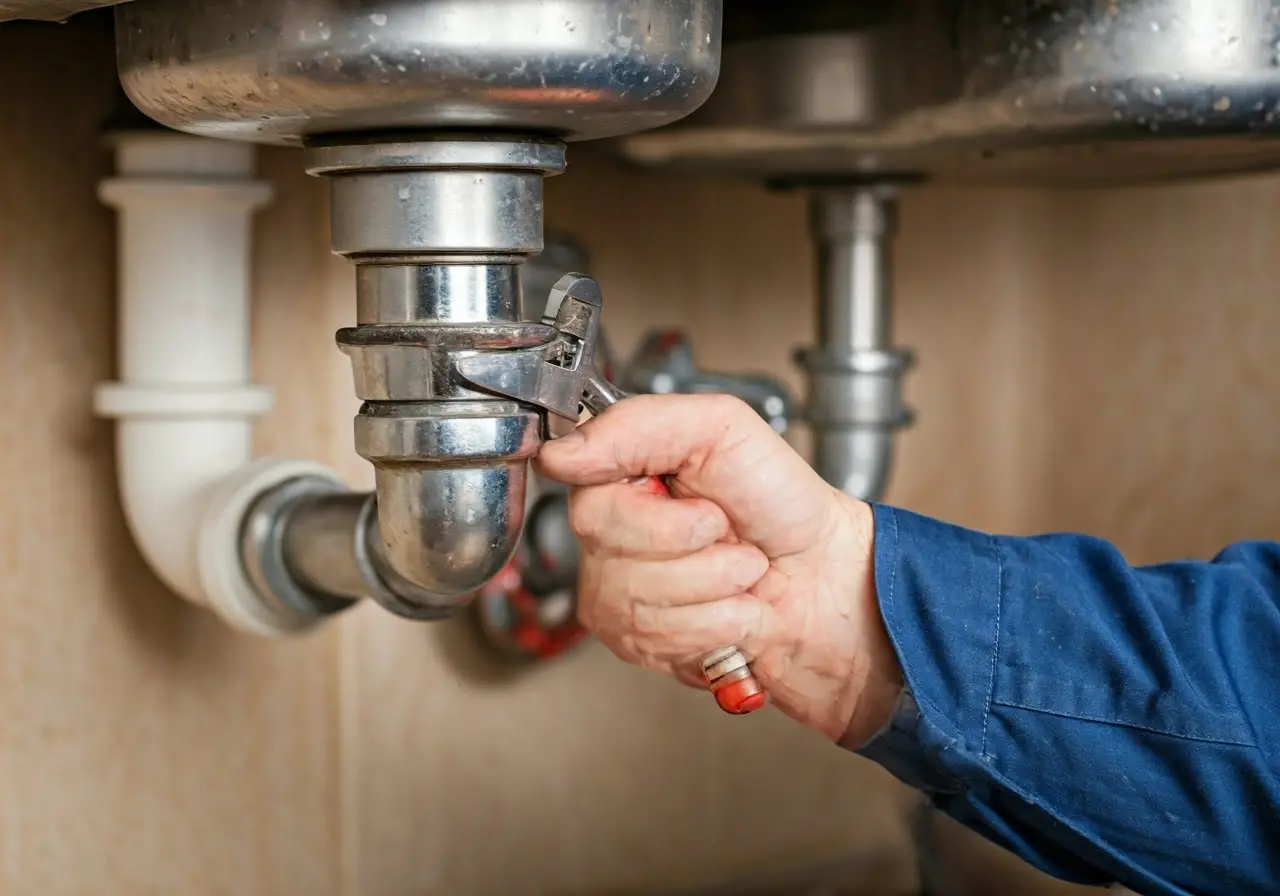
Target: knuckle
x=587 y=515
x=646 y=621
x=626 y=453
x=618 y=591
x=652 y=663
x=731 y=409
x=626 y=648
x=626 y=588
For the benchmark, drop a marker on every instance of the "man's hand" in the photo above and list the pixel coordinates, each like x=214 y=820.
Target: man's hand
x=753 y=549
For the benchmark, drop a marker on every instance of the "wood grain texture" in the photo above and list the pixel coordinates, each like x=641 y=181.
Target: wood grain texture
x=1088 y=360
x=143 y=747
x=1162 y=371
x=1137 y=396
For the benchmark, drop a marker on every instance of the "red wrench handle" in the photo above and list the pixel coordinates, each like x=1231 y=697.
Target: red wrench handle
x=727 y=671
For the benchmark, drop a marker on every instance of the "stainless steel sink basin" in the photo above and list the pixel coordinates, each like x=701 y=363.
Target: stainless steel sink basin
x=282 y=71
x=49 y=10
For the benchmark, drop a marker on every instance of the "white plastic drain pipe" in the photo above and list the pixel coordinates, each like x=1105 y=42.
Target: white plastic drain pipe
x=185 y=403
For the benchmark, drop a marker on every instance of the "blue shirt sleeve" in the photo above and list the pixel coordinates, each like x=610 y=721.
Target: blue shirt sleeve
x=1107 y=723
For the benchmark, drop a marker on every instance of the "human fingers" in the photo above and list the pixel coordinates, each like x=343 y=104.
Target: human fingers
x=680 y=636
x=647 y=435
x=718 y=449
x=622 y=518
x=629 y=586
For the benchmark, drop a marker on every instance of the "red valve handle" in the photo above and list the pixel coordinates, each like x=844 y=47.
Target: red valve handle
x=727 y=671
x=510 y=615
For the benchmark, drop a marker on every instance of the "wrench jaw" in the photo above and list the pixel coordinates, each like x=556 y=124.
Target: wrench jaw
x=573 y=287
x=556 y=376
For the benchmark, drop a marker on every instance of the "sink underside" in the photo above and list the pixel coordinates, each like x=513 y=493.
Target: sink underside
x=284 y=71
x=49 y=10
x=1005 y=91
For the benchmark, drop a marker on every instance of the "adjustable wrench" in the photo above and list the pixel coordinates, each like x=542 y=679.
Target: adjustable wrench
x=561 y=377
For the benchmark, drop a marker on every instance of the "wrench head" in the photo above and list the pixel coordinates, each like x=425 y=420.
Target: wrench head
x=576 y=288
x=555 y=376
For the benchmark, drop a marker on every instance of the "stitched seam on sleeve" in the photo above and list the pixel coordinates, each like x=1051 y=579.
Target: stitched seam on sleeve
x=890 y=610
x=995 y=650
x=1083 y=717
x=893 y=574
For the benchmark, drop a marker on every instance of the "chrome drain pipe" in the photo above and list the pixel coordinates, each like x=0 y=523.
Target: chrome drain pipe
x=436 y=228
x=855 y=404
x=430 y=123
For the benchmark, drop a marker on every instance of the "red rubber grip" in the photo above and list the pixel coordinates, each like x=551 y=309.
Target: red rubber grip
x=655 y=486
x=742 y=697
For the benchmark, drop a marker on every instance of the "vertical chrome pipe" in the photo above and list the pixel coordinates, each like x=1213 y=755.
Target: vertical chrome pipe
x=855 y=402
x=854 y=231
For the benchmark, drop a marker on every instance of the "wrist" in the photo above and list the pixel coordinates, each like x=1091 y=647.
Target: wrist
x=877 y=679
x=832 y=667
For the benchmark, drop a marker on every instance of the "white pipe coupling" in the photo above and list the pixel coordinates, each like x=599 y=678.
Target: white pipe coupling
x=184 y=404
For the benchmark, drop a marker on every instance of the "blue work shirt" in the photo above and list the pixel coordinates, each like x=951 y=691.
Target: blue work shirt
x=1107 y=723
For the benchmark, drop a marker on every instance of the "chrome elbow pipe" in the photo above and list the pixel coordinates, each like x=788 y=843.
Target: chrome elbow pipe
x=450 y=493
x=458 y=390
x=314 y=547
x=437 y=229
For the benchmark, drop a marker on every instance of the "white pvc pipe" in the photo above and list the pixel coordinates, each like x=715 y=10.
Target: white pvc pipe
x=185 y=402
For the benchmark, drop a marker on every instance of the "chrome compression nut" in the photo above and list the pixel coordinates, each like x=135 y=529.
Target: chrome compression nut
x=437 y=196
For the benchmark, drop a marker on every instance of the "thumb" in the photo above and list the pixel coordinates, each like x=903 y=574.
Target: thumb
x=646 y=435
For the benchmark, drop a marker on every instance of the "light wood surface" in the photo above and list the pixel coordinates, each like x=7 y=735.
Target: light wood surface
x=143 y=747
x=1088 y=360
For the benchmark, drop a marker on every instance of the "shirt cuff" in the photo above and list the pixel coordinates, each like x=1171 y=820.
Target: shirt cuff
x=938 y=588
x=897 y=748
